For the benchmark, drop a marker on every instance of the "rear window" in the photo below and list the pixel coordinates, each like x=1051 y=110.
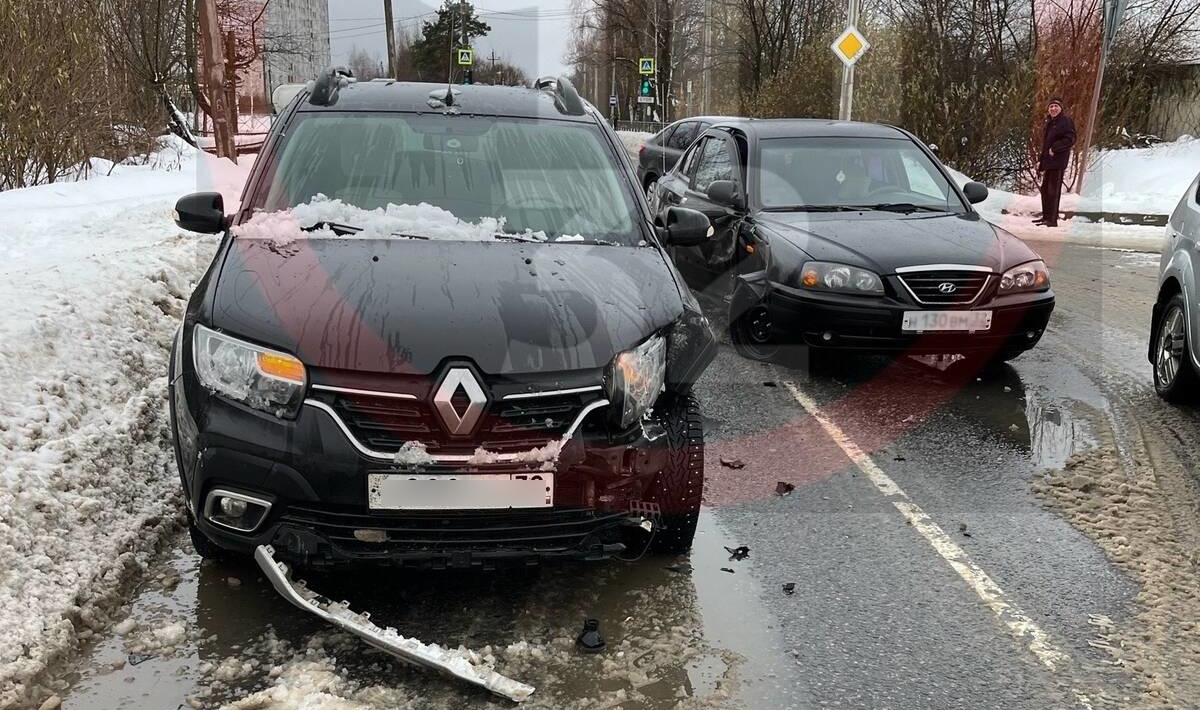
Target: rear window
x=555 y=177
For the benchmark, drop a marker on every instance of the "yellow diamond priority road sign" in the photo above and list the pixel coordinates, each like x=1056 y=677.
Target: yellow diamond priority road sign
x=850 y=46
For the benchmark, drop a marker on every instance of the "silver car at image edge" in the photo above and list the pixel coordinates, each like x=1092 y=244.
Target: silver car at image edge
x=1173 y=326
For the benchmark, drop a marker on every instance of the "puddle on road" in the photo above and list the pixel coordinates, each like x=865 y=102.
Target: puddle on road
x=680 y=633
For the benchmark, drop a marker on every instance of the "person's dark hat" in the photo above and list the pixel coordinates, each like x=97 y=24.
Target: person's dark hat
x=1055 y=100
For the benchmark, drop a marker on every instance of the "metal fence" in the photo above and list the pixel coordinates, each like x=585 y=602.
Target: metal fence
x=641 y=126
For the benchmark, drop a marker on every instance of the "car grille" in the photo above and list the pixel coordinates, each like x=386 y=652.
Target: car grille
x=384 y=424
x=927 y=286
x=438 y=531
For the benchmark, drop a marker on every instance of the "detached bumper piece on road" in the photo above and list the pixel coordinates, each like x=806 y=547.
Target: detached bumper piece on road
x=452 y=663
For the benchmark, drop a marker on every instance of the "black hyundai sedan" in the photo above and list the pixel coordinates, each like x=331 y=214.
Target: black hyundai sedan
x=844 y=236
x=440 y=330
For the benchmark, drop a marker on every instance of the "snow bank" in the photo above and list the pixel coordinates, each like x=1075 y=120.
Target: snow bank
x=1013 y=213
x=633 y=140
x=1141 y=180
x=95 y=277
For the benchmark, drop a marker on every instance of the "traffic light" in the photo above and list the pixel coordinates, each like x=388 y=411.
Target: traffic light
x=645 y=86
x=467 y=77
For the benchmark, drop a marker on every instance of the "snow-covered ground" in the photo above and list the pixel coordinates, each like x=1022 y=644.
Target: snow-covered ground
x=94 y=276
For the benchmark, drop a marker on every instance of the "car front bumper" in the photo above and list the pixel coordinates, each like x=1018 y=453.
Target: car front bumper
x=845 y=322
x=315 y=480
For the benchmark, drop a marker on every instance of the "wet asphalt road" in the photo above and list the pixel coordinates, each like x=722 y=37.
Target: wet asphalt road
x=882 y=613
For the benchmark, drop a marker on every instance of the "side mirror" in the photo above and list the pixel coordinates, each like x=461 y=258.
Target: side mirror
x=685 y=227
x=975 y=192
x=725 y=193
x=202 y=212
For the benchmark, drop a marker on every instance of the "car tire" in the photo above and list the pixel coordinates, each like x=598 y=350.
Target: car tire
x=1175 y=379
x=651 y=186
x=207 y=549
x=679 y=487
x=753 y=336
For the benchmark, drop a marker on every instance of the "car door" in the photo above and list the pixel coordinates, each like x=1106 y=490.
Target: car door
x=713 y=158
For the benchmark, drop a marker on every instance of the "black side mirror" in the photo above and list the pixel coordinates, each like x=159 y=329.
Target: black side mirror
x=202 y=212
x=685 y=227
x=725 y=193
x=975 y=192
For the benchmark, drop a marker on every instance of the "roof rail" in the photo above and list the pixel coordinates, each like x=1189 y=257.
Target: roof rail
x=566 y=98
x=324 y=90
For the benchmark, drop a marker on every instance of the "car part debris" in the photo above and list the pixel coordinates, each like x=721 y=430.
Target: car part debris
x=738 y=553
x=590 y=640
x=789 y=588
x=463 y=665
x=732 y=463
x=726 y=569
x=782 y=488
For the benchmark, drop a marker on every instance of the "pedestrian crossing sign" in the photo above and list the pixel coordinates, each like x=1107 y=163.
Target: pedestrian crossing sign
x=646 y=65
x=850 y=46
x=466 y=57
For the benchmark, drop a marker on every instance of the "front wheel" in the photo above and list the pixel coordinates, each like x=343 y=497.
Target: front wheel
x=1174 y=378
x=679 y=486
x=753 y=334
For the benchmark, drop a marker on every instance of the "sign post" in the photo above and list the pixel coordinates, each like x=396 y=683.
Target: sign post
x=849 y=47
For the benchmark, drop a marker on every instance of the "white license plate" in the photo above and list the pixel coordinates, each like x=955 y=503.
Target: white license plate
x=967 y=321
x=411 y=491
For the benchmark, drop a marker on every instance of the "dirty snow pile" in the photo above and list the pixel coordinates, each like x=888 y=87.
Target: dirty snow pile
x=633 y=140
x=94 y=277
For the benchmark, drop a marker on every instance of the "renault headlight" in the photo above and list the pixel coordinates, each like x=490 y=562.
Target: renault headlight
x=637 y=377
x=1030 y=276
x=840 y=278
x=258 y=377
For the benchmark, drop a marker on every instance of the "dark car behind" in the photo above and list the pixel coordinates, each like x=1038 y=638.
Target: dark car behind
x=660 y=152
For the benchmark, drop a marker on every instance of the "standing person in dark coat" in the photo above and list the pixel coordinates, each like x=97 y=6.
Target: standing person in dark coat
x=1057 y=139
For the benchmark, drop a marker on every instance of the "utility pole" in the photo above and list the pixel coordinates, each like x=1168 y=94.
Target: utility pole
x=612 y=79
x=707 y=57
x=847 y=101
x=391 y=38
x=1113 y=12
x=213 y=61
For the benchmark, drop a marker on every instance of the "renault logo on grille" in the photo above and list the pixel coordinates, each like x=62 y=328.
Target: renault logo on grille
x=947 y=287
x=459 y=422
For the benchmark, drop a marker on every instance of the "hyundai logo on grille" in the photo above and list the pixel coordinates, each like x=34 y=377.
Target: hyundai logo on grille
x=459 y=423
x=947 y=287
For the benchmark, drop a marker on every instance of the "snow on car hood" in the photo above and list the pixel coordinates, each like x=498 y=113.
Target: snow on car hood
x=381 y=304
x=424 y=221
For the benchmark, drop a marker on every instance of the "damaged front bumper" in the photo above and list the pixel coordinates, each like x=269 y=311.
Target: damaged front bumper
x=461 y=664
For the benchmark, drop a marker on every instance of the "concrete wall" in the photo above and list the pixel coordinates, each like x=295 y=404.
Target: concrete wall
x=1176 y=108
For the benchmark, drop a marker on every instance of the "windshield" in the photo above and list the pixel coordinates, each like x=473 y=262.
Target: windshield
x=829 y=172
x=555 y=179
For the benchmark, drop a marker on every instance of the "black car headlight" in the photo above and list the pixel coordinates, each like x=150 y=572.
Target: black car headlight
x=636 y=378
x=840 y=278
x=1030 y=276
x=258 y=377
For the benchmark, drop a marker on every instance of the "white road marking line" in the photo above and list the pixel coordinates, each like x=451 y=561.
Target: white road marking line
x=1018 y=622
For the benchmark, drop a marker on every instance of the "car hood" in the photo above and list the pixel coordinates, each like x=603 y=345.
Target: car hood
x=884 y=242
x=404 y=306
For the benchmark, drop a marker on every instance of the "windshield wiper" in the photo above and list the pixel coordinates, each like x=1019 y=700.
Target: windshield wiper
x=812 y=208
x=510 y=237
x=404 y=235
x=901 y=207
x=338 y=229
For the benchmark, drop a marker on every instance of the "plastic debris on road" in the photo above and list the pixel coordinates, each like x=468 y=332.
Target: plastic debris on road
x=458 y=663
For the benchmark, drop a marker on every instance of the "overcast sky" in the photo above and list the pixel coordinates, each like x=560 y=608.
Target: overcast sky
x=536 y=44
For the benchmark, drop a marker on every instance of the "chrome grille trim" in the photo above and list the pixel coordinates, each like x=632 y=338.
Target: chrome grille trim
x=449 y=458
x=370 y=393
x=938 y=275
x=945 y=267
x=551 y=393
